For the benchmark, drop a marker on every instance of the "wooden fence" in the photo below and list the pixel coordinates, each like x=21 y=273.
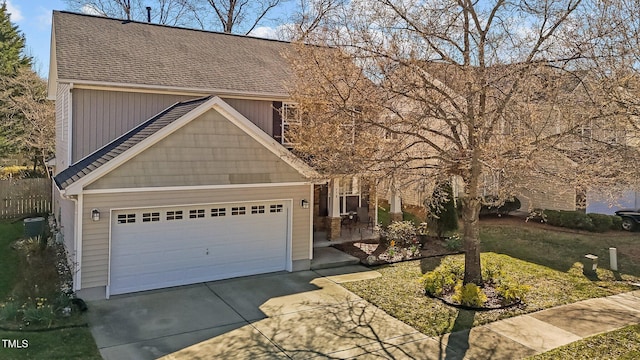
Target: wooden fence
x=20 y=198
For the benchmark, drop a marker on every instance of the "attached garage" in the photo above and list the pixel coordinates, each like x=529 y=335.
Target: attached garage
x=197 y=193
x=161 y=247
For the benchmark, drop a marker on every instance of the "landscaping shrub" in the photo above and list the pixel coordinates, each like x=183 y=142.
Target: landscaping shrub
x=616 y=222
x=448 y=276
x=402 y=232
x=601 y=222
x=569 y=219
x=578 y=220
x=401 y=237
x=444 y=277
x=469 y=295
x=512 y=292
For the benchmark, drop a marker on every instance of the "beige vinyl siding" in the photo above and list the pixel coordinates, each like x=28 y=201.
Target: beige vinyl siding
x=210 y=150
x=64 y=211
x=546 y=196
x=100 y=116
x=260 y=112
x=63 y=97
x=95 y=234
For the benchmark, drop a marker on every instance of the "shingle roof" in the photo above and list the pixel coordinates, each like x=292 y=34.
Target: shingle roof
x=101 y=156
x=93 y=48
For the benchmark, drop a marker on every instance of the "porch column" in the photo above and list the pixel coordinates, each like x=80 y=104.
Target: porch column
x=395 y=212
x=334 y=219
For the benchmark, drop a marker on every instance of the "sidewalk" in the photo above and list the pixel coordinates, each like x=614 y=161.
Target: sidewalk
x=525 y=335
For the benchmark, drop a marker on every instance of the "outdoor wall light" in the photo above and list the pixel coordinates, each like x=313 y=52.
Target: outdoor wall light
x=304 y=203
x=95 y=215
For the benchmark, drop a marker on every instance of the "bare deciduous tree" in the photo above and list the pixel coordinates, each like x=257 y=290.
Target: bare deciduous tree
x=502 y=95
x=25 y=96
x=167 y=12
x=234 y=16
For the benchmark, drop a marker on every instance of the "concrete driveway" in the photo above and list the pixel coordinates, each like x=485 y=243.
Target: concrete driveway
x=282 y=315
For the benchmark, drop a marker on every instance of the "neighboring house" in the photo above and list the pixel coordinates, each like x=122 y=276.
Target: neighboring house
x=598 y=203
x=171 y=161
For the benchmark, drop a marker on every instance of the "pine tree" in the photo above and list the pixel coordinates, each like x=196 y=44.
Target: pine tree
x=12 y=44
x=12 y=59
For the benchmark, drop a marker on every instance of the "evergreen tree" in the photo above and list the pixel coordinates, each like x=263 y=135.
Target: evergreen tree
x=12 y=44
x=443 y=210
x=12 y=59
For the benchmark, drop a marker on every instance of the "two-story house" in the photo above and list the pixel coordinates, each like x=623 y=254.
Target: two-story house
x=171 y=160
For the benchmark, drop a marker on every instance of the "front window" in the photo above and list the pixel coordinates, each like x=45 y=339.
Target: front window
x=350 y=197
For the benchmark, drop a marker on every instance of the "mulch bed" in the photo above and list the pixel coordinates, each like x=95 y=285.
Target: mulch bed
x=363 y=249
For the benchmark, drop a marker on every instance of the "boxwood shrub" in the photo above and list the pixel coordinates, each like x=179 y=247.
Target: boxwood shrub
x=581 y=221
x=601 y=222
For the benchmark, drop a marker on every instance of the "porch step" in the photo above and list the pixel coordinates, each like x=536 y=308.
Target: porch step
x=328 y=257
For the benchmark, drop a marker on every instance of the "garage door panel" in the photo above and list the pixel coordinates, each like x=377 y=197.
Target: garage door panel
x=169 y=252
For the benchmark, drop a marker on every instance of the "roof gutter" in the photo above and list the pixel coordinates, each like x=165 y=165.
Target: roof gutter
x=88 y=84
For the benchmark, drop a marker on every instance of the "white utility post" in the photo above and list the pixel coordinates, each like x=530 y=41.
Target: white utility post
x=613 y=258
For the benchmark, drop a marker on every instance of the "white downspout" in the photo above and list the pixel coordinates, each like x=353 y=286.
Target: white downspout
x=77 y=236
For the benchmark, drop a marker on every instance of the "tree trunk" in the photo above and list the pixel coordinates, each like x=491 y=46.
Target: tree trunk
x=470 y=217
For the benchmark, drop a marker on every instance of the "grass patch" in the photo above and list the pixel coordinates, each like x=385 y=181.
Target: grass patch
x=560 y=250
x=9 y=258
x=32 y=303
x=618 y=344
x=552 y=270
x=74 y=343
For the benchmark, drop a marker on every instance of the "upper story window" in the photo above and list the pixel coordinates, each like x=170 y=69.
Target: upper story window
x=290 y=119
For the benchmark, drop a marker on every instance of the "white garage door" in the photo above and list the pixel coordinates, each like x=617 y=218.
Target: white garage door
x=162 y=247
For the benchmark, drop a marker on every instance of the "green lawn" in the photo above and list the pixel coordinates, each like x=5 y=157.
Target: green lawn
x=9 y=232
x=560 y=249
x=623 y=344
x=74 y=343
x=70 y=343
x=547 y=261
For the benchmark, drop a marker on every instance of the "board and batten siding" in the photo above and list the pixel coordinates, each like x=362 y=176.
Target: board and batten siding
x=210 y=150
x=100 y=116
x=259 y=112
x=95 y=234
x=63 y=97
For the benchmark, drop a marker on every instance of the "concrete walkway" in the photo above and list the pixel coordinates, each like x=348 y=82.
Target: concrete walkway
x=308 y=315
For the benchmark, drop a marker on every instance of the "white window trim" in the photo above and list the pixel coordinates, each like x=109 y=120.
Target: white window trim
x=286 y=122
x=343 y=194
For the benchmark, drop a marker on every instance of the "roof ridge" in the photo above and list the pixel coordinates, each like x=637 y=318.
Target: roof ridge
x=170 y=26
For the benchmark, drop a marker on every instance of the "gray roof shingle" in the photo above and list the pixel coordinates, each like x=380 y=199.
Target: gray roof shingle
x=101 y=156
x=93 y=48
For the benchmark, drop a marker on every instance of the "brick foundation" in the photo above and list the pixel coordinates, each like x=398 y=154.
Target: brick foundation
x=335 y=227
